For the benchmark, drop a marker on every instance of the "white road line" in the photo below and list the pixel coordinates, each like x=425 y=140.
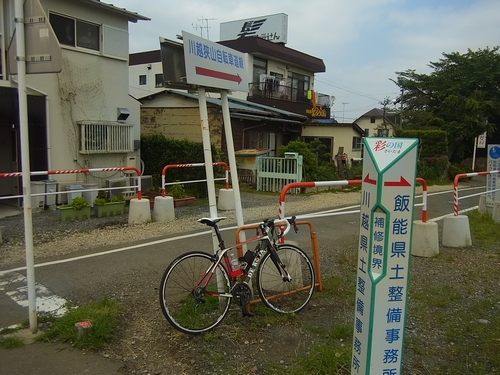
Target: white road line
x=157 y=242
x=46 y=301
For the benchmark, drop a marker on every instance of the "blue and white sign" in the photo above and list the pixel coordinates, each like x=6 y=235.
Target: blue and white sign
x=386 y=222
x=492 y=180
x=210 y=64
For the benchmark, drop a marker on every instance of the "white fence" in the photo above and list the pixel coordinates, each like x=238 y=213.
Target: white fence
x=274 y=173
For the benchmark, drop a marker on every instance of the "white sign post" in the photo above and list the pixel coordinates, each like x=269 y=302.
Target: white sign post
x=492 y=180
x=212 y=65
x=388 y=190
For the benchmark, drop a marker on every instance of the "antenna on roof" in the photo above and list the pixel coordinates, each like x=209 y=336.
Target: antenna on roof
x=203 y=27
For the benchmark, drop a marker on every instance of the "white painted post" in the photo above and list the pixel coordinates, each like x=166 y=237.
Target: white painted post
x=25 y=162
x=387 y=203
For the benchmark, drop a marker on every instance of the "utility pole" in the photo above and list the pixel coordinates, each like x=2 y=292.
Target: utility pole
x=343 y=110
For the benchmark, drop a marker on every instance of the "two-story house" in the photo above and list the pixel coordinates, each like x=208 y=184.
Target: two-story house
x=83 y=116
x=282 y=79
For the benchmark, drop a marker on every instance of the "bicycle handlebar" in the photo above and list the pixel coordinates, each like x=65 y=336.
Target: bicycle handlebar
x=267 y=223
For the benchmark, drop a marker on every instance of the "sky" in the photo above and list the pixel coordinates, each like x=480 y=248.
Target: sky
x=363 y=43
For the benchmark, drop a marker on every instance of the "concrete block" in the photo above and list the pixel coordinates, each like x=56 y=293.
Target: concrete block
x=226 y=200
x=496 y=212
x=482 y=204
x=163 y=210
x=139 y=211
x=456 y=231
x=425 y=239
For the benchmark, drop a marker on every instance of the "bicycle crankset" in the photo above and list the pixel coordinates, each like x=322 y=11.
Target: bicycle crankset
x=243 y=295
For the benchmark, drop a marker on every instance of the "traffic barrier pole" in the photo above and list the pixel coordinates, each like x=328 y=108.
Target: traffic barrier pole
x=171 y=166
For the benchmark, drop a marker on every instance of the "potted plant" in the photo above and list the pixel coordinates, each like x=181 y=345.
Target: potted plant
x=152 y=192
x=179 y=194
x=109 y=207
x=76 y=210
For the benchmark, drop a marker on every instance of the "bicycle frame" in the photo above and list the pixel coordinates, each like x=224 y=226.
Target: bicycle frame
x=221 y=253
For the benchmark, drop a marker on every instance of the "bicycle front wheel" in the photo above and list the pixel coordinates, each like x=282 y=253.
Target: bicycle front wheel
x=190 y=308
x=286 y=296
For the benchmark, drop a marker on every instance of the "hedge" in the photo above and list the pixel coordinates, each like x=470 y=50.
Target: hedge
x=157 y=151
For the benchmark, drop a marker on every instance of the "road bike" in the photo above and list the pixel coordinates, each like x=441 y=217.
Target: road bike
x=197 y=288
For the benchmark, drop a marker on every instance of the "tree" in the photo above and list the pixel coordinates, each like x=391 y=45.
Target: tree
x=461 y=96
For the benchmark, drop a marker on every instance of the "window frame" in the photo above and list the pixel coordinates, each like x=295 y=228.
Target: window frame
x=161 y=83
x=75 y=40
x=357 y=143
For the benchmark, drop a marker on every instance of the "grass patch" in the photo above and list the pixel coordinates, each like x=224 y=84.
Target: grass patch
x=441 y=296
x=474 y=337
x=338 y=287
x=484 y=228
x=11 y=342
x=332 y=356
x=102 y=315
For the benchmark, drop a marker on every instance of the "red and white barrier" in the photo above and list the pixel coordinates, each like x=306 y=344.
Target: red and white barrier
x=455 y=186
x=171 y=166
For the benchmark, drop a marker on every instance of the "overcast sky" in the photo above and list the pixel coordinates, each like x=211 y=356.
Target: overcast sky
x=362 y=42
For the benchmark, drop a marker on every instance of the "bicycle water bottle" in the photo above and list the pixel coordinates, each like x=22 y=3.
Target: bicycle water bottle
x=235 y=263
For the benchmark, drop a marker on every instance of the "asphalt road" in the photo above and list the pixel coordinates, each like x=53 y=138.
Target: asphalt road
x=137 y=269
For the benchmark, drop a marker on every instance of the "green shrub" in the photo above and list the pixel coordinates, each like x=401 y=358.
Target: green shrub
x=433 y=168
x=78 y=203
x=455 y=169
x=157 y=151
x=431 y=142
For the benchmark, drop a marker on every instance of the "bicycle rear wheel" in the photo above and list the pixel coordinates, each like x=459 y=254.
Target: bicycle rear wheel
x=286 y=296
x=188 y=308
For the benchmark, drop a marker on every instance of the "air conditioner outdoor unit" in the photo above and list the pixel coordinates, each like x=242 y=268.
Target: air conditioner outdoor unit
x=146 y=182
x=113 y=184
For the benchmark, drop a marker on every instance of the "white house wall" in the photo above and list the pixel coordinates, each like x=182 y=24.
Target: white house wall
x=139 y=91
x=90 y=87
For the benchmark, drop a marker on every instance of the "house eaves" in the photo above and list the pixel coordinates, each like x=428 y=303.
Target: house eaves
x=243 y=109
x=335 y=124
x=260 y=118
x=131 y=16
x=264 y=48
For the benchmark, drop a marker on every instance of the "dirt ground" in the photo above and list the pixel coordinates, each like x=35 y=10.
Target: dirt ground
x=271 y=344
x=265 y=344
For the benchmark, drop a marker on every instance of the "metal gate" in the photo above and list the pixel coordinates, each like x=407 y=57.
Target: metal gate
x=274 y=173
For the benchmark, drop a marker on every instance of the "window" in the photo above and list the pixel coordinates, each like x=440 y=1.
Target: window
x=372 y=120
x=300 y=86
x=259 y=67
x=383 y=132
x=357 y=143
x=142 y=79
x=105 y=137
x=76 y=33
x=159 y=80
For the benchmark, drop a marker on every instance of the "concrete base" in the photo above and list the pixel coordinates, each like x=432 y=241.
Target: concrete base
x=163 y=210
x=482 y=205
x=139 y=211
x=496 y=212
x=425 y=241
x=226 y=200
x=456 y=231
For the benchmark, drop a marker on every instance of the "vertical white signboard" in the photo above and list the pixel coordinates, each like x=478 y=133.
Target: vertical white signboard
x=388 y=190
x=492 y=180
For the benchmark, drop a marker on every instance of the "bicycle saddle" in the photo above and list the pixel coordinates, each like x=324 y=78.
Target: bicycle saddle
x=210 y=222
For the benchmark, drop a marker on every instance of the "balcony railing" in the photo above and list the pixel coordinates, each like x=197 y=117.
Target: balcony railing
x=274 y=90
